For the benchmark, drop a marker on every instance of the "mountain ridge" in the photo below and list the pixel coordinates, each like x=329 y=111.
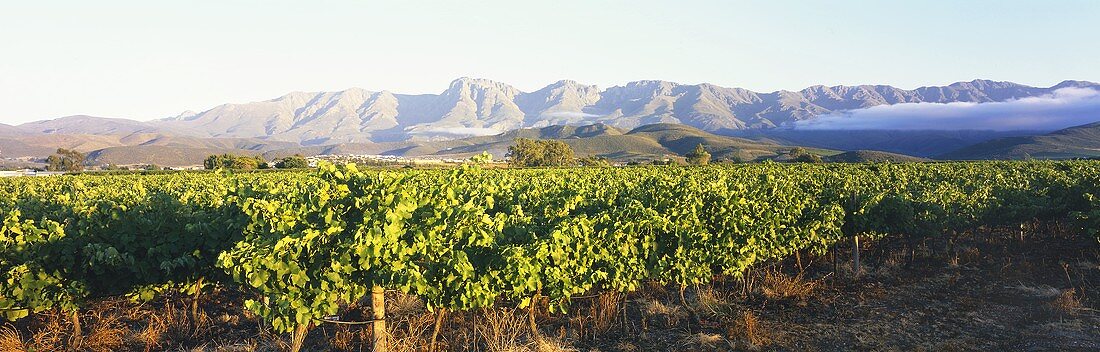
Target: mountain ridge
x=472 y=106
x=476 y=113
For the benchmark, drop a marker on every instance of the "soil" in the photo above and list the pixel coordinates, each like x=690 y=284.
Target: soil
x=983 y=291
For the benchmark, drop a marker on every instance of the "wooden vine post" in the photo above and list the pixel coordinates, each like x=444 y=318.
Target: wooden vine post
x=78 y=335
x=299 y=337
x=439 y=316
x=195 y=301
x=855 y=241
x=531 y=318
x=379 y=334
x=855 y=255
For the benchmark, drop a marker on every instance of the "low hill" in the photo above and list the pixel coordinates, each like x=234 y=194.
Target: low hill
x=134 y=148
x=157 y=155
x=648 y=142
x=1074 y=142
x=15 y=148
x=680 y=139
x=10 y=131
x=926 y=143
x=653 y=141
x=871 y=156
x=83 y=124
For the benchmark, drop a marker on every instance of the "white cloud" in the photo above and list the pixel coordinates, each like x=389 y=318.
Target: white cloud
x=458 y=131
x=1063 y=108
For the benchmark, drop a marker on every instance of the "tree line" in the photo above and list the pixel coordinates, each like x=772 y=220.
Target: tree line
x=526 y=152
x=250 y=162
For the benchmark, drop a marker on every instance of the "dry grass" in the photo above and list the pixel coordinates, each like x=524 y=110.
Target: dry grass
x=605 y=311
x=502 y=330
x=711 y=301
x=672 y=314
x=153 y=333
x=776 y=285
x=968 y=254
x=600 y=316
x=705 y=342
x=551 y=345
x=889 y=267
x=11 y=339
x=1042 y=292
x=344 y=338
x=413 y=333
x=749 y=327
x=401 y=304
x=49 y=332
x=1065 y=303
x=107 y=333
x=627 y=346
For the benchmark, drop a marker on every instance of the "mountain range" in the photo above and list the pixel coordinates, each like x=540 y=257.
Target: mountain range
x=481 y=107
x=357 y=119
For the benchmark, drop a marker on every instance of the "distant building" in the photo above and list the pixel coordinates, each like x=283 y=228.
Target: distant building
x=29 y=172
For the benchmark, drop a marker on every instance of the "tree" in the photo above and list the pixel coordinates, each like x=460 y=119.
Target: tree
x=666 y=162
x=292 y=162
x=230 y=161
x=593 y=161
x=531 y=152
x=800 y=155
x=65 y=160
x=699 y=156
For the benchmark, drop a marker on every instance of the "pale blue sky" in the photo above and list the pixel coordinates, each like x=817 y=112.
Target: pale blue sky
x=152 y=59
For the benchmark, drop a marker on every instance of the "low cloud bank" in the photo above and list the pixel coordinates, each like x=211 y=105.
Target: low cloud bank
x=1063 y=108
x=458 y=131
x=569 y=114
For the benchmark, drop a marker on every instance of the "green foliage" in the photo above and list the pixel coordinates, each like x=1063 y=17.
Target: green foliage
x=482 y=158
x=30 y=285
x=234 y=162
x=304 y=245
x=593 y=161
x=65 y=160
x=532 y=153
x=665 y=162
x=698 y=156
x=800 y=155
x=110 y=235
x=292 y=162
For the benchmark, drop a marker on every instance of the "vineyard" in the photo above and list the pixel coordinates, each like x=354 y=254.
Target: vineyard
x=301 y=246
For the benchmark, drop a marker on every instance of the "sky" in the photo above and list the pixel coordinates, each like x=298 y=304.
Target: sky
x=152 y=59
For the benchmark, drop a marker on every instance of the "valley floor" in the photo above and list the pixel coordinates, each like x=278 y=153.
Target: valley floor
x=985 y=290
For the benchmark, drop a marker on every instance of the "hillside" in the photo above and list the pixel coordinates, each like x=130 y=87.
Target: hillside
x=9 y=130
x=871 y=156
x=644 y=143
x=922 y=143
x=157 y=155
x=1074 y=142
x=135 y=148
x=15 y=148
x=82 y=124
